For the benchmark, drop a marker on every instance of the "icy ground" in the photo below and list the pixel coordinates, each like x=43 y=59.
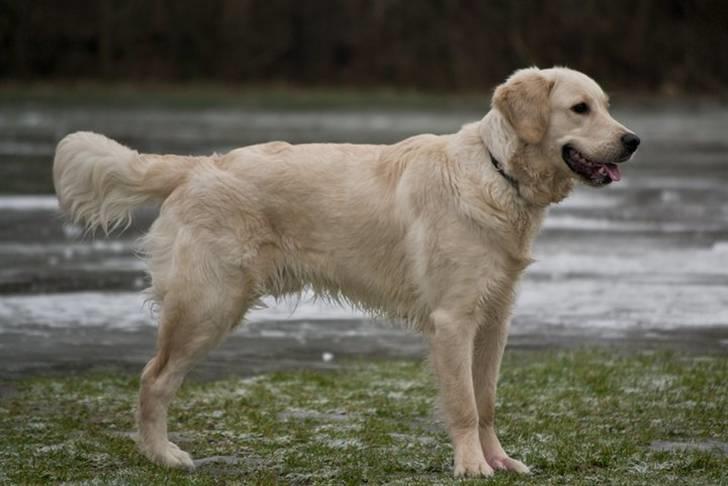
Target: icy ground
x=644 y=260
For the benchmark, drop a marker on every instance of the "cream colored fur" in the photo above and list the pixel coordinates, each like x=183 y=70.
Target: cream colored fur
x=425 y=231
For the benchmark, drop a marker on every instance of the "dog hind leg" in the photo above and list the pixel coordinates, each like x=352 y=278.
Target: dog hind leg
x=203 y=305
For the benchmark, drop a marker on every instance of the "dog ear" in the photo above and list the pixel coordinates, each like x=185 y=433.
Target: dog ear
x=524 y=100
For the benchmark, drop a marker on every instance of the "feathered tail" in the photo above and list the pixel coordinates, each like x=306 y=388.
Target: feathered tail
x=99 y=181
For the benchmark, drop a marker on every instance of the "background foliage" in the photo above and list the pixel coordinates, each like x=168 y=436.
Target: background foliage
x=657 y=45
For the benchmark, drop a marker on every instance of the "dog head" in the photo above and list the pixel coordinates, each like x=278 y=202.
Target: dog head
x=561 y=118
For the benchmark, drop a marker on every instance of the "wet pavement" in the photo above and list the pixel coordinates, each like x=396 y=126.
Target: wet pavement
x=642 y=263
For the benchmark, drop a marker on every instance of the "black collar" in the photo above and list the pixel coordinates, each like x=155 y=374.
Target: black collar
x=498 y=167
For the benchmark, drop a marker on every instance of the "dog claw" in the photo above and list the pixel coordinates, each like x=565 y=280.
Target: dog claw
x=508 y=464
x=473 y=470
x=171 y=455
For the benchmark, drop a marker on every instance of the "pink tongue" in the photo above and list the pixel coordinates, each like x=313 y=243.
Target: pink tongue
x=613 y=171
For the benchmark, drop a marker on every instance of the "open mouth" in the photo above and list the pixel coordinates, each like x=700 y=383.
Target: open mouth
x=595 y=173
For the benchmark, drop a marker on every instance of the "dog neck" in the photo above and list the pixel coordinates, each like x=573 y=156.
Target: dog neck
x=539 y=185
x=498 y=135
x=499 y=168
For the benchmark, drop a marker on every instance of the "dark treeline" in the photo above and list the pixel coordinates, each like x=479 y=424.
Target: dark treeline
x=666 y=45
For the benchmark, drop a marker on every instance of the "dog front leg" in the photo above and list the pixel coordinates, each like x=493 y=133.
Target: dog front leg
x=489 y=343
x=451 y=346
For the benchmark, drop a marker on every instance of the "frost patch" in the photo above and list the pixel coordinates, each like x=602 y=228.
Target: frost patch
x=412 y=439
x=303 y=414
x=344 y=443
x=709 y=445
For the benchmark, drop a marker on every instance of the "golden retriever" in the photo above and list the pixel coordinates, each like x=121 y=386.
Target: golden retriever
x=433 y=231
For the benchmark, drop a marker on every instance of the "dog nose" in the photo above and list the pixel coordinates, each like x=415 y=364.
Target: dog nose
x=630 y=142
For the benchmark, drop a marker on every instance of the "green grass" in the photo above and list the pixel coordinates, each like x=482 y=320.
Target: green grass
x=576 y=417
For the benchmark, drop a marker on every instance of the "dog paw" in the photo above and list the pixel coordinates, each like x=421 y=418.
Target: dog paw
x=471 y=462
x=170 y=455
x=505 y=463
x=473 y=469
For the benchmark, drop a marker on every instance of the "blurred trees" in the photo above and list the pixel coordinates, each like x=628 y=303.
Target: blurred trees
x=434 y=44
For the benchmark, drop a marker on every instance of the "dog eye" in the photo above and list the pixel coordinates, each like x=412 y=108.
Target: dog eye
x=580 y=108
